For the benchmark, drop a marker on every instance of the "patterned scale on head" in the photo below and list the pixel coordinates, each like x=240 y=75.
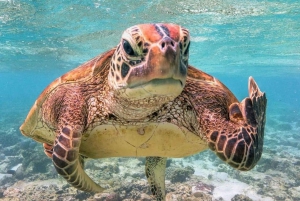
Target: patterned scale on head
x=140 y=46
x=143 y=99
x=150 y=63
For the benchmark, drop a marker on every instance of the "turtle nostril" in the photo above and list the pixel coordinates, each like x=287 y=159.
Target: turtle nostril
x=167 y=43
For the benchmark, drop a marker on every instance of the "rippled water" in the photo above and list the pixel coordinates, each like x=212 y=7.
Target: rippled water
x=231 y=39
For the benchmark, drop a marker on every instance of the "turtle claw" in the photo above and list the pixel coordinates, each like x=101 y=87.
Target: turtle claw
x=253 y=88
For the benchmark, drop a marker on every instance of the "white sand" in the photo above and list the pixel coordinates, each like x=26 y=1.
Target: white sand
x=225 y=186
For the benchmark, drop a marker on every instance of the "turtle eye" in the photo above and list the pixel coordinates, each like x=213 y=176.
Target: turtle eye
x=127 y=48
x=186 y=51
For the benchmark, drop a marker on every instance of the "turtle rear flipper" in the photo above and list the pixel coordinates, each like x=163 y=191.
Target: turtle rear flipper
x=155 y=168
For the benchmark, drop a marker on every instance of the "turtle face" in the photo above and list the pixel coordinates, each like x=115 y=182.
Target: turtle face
x=151 y=60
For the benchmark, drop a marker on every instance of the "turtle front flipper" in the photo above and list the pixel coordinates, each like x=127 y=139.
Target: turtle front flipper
x=155 y=172
x=69 y=163
x=239 y=142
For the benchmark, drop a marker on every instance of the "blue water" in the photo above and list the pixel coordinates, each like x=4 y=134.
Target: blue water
x=231 y=39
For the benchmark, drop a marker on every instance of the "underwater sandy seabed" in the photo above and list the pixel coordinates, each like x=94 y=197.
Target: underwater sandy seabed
x=26 y=173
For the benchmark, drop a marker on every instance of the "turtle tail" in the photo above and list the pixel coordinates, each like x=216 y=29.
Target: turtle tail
x=68 y=162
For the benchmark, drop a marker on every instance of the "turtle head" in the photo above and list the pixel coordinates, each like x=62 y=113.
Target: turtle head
x=150 y=62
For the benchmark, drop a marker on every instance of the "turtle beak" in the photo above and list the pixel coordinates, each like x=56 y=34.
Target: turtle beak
x=171 y=60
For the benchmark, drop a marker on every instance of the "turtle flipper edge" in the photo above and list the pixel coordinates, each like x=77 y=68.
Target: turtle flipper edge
x=259 y=103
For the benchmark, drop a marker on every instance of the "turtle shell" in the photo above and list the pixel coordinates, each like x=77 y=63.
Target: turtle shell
x=33 y=125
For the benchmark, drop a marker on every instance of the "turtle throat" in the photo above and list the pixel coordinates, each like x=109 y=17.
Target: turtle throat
x=138 y=102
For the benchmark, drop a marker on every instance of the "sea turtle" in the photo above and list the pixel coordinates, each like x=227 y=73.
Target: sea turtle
x=142 y=99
